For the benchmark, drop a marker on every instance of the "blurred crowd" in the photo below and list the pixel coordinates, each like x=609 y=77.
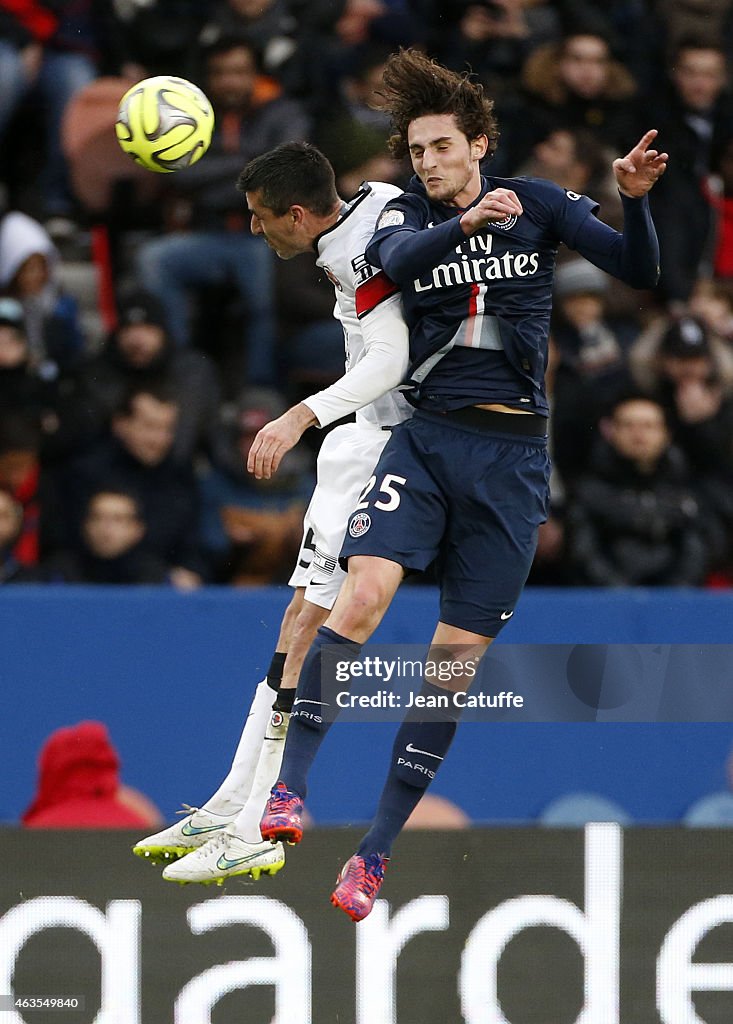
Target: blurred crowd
x=146 y=336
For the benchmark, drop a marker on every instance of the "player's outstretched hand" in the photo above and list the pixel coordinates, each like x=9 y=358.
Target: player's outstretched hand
x=276 y=439
x=641 y=167
x=492 y=208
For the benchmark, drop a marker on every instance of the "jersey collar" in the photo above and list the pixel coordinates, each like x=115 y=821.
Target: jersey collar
x=347 y=209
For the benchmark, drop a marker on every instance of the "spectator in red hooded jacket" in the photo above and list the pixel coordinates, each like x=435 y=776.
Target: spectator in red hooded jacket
x=79 y=784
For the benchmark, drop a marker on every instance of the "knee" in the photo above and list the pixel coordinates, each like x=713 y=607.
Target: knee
x=311 y=616
x=306 y=626
x=368 y=594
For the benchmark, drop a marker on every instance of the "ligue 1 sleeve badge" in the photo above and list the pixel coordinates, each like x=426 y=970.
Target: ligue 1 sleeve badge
x=390 y=219
x=359 y=524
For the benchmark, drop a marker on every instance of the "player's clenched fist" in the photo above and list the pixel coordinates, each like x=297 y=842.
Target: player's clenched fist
x=641 y=167
x=492 y=208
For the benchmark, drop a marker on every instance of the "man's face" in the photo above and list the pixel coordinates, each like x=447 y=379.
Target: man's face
x=443 y=158
x=13 y=347
x=141 y=343
x=584 y=65
x=16 y=466
x=231 y=78
x=149 y=430
x=687 y=369
x=700 y=77
x=112 y=526
x=11 y=516
x=638 y=431
x=556 y=153
x=284 y=234
x=32 y=275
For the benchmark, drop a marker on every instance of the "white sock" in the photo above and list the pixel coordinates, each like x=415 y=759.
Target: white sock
x=232 y=794
x=247 y=822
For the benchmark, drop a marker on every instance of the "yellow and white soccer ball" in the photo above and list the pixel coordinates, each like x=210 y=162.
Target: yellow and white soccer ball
x=164 y=123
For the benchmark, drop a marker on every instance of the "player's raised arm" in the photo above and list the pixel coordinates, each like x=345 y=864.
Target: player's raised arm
x=641 y=168
x=631 y=255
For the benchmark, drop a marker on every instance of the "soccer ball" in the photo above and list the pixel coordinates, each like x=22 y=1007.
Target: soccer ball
x=164 y=123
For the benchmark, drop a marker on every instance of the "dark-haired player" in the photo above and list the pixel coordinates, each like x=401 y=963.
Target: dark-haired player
x=294 y=205
x=464 y=482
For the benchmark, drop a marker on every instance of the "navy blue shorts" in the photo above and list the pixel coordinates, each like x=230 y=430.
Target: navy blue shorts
x=470 y=500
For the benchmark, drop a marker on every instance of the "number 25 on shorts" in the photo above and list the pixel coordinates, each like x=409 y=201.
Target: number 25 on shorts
x=386 y=487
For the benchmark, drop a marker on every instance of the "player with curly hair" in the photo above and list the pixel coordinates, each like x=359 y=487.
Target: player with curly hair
x=464 y=482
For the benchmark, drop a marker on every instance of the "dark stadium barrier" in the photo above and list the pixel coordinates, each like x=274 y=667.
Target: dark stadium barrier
x=517 y=926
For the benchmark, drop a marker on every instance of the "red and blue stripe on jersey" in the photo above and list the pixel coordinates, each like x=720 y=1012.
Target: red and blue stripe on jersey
x=371 y=292
x=489 y=298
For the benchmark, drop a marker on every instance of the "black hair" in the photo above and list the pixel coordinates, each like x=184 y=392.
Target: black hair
x=225 y=42
x=695 y=42
x=161 y=391
x=415 y=86
x=625 y=396
x=292 y=174
x=119 y=490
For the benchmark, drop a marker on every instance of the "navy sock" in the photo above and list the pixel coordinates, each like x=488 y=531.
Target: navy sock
x=418 y=751
x=315 y=708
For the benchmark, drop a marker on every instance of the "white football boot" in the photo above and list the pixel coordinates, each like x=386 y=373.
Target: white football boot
x=182 y=838
x=226 y=856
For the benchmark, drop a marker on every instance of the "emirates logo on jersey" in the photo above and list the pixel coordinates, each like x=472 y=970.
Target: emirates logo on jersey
x=477 y=264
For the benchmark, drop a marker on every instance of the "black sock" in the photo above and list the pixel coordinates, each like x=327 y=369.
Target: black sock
x=418 y=752
x=315 y=706
x=284 y=701
x=275 y=671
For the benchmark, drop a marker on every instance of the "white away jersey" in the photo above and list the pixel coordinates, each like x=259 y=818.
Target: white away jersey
x=369 y=309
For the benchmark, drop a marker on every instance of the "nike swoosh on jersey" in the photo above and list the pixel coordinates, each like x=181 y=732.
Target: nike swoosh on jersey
x=506 y=615
x=413 y=750
x=302 y=700
x=187 y=829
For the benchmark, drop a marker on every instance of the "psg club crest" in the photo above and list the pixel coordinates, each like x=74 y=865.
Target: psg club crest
x=507 y=224
x=359 y=524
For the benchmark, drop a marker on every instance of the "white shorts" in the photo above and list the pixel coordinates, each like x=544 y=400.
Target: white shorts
x=345 y=462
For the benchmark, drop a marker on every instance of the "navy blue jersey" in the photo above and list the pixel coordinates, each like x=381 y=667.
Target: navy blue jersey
x=479 y=315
